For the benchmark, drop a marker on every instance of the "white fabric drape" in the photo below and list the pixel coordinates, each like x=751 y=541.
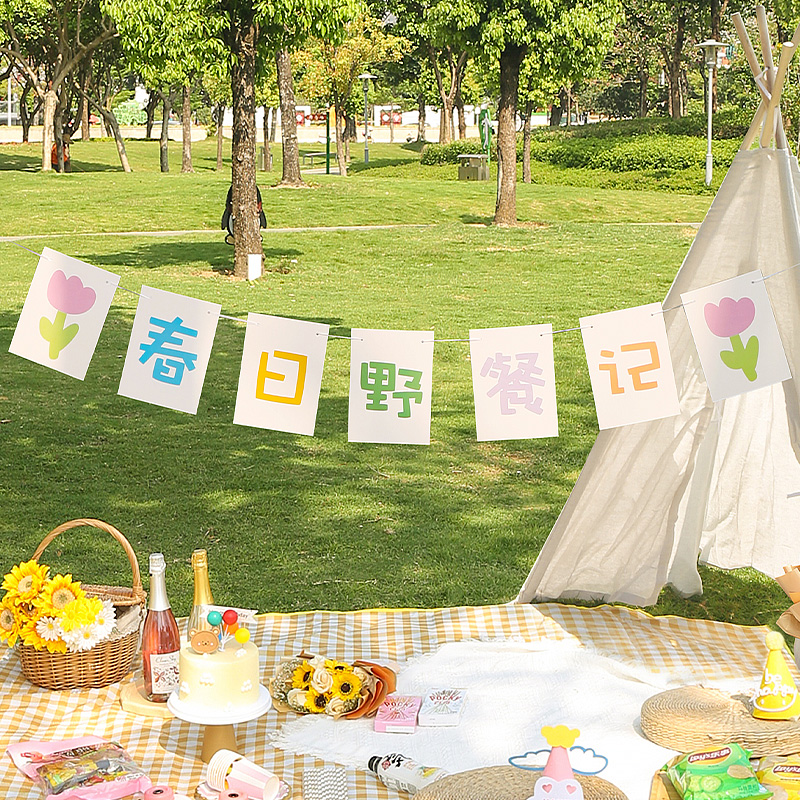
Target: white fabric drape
x=712 y=481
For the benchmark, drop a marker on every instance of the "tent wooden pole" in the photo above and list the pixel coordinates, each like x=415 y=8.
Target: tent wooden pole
x=766 y=44
x=752 y=131
x=750 y=55
x=787 y=51
x=770 y=125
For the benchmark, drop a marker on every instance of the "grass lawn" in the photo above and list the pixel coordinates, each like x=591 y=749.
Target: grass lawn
x=291 y=522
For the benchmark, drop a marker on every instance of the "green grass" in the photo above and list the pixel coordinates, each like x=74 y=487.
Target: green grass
x=293 y=522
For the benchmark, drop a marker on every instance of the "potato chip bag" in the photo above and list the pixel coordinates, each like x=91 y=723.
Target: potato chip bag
x=719 y=773
x=781 y=775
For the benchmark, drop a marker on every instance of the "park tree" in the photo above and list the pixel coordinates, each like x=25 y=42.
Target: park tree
x=47 y=40
x=331 y=70
x=168 y=43
x=504 y=34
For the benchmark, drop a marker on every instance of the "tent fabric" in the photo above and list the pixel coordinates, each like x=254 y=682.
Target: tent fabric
x=717 y=480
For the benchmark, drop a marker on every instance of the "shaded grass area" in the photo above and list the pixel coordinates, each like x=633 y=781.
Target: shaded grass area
x=292 y=522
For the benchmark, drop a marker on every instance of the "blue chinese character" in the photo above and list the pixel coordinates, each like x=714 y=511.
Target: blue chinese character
x=171 y=367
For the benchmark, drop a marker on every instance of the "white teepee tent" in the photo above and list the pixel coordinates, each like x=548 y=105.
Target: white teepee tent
x=718 y=481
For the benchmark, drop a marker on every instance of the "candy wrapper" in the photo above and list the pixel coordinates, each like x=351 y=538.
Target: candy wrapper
x=720 y=773
x=311 y=684
x=88 y=768
x=781 y=775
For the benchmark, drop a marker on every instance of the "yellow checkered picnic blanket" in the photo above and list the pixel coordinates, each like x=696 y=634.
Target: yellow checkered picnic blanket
x=168 y=749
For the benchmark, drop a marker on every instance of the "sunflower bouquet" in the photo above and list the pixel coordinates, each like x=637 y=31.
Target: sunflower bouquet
x=312 y=684
x=51 y=613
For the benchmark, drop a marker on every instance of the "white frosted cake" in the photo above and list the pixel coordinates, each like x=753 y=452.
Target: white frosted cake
x=223 y=680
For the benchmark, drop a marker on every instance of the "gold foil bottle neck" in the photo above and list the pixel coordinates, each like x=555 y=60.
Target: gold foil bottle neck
x=199 y=559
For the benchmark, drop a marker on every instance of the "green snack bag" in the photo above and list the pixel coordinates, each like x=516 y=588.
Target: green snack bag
x=720 y=773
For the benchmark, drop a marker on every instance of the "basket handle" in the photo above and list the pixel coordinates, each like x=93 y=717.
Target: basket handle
x=103 y=526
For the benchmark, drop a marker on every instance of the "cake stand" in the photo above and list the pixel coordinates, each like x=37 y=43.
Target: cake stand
x=218 y=732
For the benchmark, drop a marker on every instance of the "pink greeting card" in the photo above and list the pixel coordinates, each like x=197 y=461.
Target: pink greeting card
x=398 y=714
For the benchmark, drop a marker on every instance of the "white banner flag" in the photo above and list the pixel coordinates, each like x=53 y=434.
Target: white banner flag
x=630 y=366
x=736 y=336
x=169 y=349
x=281 y=374
x=514 y=382
x=64 y=312
x=390 y=386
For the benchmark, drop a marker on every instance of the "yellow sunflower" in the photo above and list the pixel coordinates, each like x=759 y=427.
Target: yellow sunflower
x=346 y=685
x=336 y=666
x=57 y=593
x=81 y=611
x=301 y=676
x=9 y=623
x=316 y=702
x=24 y=581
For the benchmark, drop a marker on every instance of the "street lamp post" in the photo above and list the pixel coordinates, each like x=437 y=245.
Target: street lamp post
x=366 y=78
x=709 y=48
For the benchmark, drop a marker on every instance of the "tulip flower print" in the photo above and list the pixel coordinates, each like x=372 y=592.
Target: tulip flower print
x=729 y=320
x=67 y=296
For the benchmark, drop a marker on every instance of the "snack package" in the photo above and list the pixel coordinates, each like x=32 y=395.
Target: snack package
x=720 y=773
x=781 y=775
x=88 y=768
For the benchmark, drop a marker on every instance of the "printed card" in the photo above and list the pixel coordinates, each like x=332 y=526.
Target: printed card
x=169 y=349
x=736 y=336
x=514 y=382
x=391 y=376
x=397 y=714
x=281 y=374
x=64 y=312
x=630 y=366
x=442 y=708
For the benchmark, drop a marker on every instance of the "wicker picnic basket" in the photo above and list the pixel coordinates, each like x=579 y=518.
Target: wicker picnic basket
x=110 y=660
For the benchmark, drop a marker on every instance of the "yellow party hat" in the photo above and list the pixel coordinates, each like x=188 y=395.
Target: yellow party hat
x=777 y=697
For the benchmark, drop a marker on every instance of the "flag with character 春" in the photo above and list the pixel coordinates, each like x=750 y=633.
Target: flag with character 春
x=169 y=349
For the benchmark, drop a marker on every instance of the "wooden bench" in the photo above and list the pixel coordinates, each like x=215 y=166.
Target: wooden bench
x=311 y=156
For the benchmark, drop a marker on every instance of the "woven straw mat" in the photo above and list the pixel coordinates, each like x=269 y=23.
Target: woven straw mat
x=508 y=783
x=694 y=718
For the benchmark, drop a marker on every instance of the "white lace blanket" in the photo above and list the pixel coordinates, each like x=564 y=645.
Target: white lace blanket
x=513 y=690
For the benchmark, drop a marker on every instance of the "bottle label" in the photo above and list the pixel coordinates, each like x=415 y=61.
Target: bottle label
x=164 y=671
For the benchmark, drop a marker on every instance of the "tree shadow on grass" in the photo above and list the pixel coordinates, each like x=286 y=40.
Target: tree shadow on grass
x=476 y=219
x=195 y=255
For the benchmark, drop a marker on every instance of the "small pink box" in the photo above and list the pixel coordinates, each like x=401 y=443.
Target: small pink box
x=398 y=714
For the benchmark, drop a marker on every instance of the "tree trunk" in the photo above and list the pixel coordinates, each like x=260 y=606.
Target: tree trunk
x=246 y=228
x=391 y=122
x=341 y=156
x=163 y=143
x=273 y=123
x=58 y=134
x=265 y=133
x=49 y=110
x=421 y=120
x=111 y=122
x=186 y=125
x=506 y=207
x=26 y=116
x=86 y=133
x=557 y=111
x=150 y=112
x=220 y=116
x=291 y=152
x=462 y=118
x=526 y=143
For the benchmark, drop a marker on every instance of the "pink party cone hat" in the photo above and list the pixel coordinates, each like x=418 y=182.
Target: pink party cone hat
x=558 y=767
